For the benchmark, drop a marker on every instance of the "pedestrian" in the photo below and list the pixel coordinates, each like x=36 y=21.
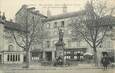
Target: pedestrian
x=105 y=61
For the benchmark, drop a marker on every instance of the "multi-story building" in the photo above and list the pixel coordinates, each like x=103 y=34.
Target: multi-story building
x=10 y=52
x=52 y=26
x=29 y=15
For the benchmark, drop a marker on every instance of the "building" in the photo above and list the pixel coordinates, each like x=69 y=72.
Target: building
x=10 y=52
x=29 y=15
x=52 y=24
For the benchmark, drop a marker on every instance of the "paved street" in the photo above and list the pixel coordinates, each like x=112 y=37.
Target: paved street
x=82 y=68
x=62 y=71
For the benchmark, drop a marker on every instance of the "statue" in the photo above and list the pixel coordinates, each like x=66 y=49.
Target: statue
x=61 y=35
x=60 y=48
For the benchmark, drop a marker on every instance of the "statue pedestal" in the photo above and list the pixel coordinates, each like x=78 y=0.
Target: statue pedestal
x=60 y=50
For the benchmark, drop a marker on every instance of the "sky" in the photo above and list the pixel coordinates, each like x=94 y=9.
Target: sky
x=10 y=7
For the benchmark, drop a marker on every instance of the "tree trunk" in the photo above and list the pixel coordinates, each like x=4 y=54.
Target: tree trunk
x=27 y=58
x=95 y=58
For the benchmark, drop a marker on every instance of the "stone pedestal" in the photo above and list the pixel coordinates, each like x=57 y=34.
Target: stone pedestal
x=60 y=50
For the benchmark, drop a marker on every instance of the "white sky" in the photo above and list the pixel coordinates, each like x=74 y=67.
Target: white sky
x=10 y=7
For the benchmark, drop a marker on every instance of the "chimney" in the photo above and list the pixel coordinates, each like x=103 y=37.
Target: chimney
x=11 y=20
x=48 y=13
x=0 y=14
x=64 y=8
x=3 y=16
x=31 y=9
x=37 y=11
x=0 y=17
x=24 y=6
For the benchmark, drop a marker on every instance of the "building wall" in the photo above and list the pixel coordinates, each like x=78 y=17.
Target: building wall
x=53 y=35
x=30 y=17
x=1 y=37
x=9 y=46
x=113 y=37
x=52 y=28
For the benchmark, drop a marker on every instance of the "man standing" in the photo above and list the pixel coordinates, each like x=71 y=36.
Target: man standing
x=105 y=61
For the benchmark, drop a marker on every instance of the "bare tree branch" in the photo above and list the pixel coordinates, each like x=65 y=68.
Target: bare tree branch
x=17 y=41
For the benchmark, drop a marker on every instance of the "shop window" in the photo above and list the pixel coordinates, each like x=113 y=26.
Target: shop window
x=68 y=52
x=75 y=57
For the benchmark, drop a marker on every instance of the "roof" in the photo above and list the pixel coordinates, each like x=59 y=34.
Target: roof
x=105 y=21
x=12 y=25
x=66 y=15
x=33 y=12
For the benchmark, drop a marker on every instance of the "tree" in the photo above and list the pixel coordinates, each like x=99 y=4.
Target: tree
x=93 y=24
x=32 y=35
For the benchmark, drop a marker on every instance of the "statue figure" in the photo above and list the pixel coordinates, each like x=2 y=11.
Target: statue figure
x=61 y=35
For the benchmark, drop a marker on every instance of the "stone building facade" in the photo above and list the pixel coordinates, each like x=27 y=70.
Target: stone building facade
x=29 y=15
x=52 y=26
x=10 y=52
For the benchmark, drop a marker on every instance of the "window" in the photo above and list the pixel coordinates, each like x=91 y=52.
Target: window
x=75 y=57
x=54 y=42
x=8 y=57
x=68 y=52
x=13 y=57
x=69 y=31
x=62 y=23
x=10 y=47
x=48 y=44
x=55 y=24
x=18 y=57
x=48 y=25
x=55 y=33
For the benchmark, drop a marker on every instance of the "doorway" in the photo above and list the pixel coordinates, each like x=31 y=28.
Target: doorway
x=49 y=56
